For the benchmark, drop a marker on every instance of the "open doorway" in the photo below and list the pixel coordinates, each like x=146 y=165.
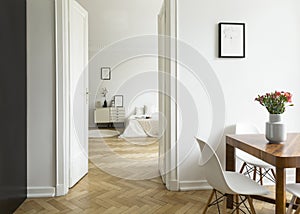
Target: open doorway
x=123 y=88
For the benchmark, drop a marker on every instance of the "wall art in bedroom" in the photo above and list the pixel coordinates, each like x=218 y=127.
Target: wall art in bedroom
x=105 y=73
x=118 y=100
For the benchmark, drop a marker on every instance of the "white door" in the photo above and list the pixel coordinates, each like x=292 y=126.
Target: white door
x=78 y=37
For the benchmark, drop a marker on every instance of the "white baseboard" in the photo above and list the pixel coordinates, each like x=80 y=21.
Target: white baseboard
x=194 y=185
x=203 y=185
x=40 y=192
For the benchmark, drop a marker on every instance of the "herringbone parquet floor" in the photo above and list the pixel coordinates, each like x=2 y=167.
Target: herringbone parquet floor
x=130 y=158
x=100 y=192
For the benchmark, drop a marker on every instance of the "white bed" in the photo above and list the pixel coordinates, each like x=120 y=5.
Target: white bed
x=142 y=126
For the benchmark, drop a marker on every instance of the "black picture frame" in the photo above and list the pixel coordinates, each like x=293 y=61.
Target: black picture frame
x=118 y=100
x=231 y=40
x=105 y=73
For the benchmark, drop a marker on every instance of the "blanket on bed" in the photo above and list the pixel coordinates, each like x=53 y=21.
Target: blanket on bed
x=141 y=128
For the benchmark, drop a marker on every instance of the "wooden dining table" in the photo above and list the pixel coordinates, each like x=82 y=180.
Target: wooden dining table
x=280 y=155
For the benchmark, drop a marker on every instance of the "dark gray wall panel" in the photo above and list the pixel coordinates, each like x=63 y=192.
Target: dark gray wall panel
x=13 y=131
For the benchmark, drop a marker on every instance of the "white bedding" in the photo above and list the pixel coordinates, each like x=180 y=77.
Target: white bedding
x=141 y=127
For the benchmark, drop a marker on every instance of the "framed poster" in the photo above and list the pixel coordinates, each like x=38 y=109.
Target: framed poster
x=118 y=100
x=231 y=40
x=105 y=73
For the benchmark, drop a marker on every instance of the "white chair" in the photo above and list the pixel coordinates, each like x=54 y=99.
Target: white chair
x=294 y=189
x=251 y=163
x=226 y=182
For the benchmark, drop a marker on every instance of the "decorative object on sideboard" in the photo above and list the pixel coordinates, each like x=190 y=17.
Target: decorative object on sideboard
x=105 y=73
x=276 y=103
x=231 y=40
x=118 y=100
x=105 y=104
x=112 y=103
x=104 y=93
x=140 y=110
x=98 y=104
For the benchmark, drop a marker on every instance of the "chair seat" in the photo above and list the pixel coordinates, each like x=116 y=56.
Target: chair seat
x=226 y=182
x=243 y=185
x=250 y=159
x=294 y=189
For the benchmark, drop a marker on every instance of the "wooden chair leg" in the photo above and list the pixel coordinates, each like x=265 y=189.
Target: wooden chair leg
x=209 y=200
x=250 y=201
x=243 y=167
x=290 y=209
x=260 y=176
x=237 y=202
x=224 y=205
x=254 y=173
x=297 y=210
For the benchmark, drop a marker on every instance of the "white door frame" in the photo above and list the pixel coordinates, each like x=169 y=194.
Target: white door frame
x=161 y=29
x=168 y=147
x=63 y=104
x=170 y=88
x=62 y=96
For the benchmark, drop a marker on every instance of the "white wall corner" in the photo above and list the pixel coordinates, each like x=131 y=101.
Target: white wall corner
x=39 y=192
x=172 y=185
x=61 y=190
x=194 y=185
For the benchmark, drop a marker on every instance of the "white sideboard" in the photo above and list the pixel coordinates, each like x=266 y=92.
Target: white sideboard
x=109 y=115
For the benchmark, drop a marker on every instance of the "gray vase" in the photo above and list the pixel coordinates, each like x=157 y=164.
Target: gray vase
x=275 y=129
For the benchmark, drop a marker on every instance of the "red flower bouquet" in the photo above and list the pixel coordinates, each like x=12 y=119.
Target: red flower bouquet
x=275 y=102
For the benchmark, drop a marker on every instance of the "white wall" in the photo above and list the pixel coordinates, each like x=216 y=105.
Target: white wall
x=41 y=97
x=271 y=63
x=136 y=79
x=110 y=22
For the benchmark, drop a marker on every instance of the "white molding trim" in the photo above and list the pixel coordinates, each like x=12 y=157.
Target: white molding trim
x=62 y=94
x=39 y=192
x=61 y=190
x=194 y=185
x=172 y=150
x=173 y=185
x=203 y=185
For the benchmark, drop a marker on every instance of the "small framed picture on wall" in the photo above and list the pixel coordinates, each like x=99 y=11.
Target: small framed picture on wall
x=105 y=73
x=231 y=40
x=118 y=100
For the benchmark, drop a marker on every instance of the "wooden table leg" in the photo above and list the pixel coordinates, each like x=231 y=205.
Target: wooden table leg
x=297 y=176
x=280 y=191
x=230 y=158
x=230 y=166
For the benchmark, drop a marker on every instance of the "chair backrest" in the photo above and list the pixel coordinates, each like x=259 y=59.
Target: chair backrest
x=213 y=171
x=246 y=128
